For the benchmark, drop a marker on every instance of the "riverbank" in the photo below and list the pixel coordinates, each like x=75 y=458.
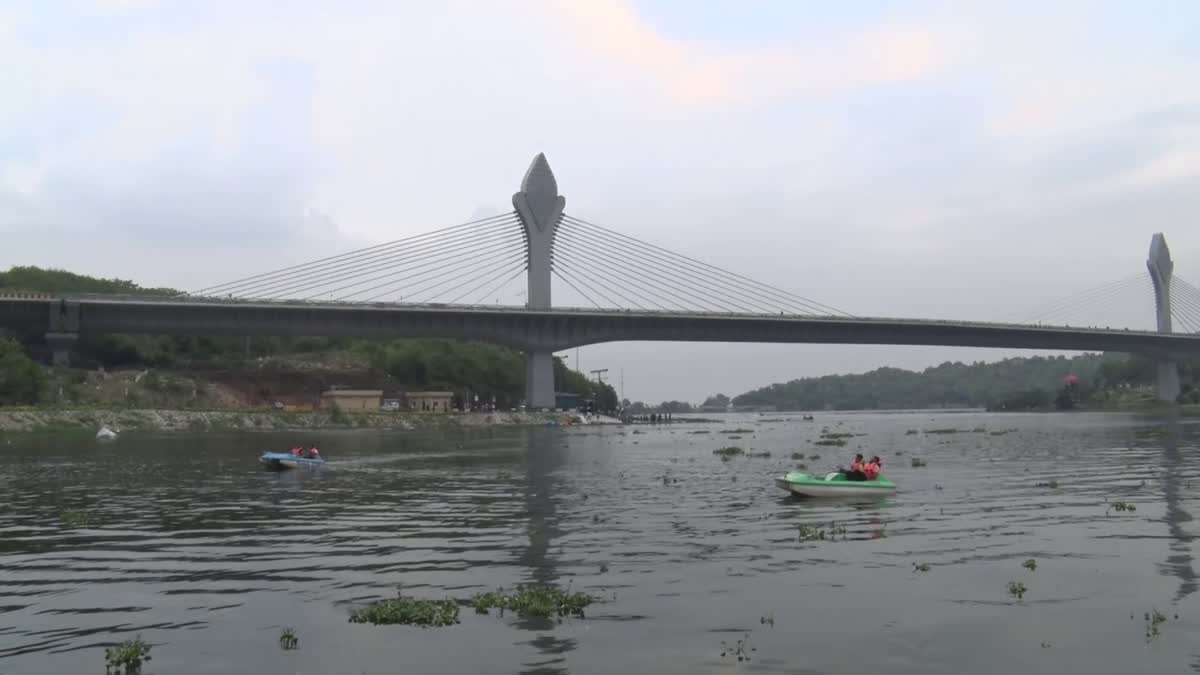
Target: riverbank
x=56 y=419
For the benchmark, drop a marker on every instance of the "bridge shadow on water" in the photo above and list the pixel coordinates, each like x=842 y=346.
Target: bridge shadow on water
x=1179 y=562
x=1177 y=486
x=544 y=456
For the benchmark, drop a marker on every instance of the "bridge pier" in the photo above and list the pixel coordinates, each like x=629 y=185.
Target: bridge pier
x=61 y=345
x=540 y=209
x=1161 y=268
x=539 y=380
x=64 y=331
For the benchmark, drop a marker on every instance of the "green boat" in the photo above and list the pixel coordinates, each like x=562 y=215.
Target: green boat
x=833 y=485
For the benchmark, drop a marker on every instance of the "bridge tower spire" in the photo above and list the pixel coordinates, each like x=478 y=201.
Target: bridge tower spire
x=540 y=209
x=1161 y=268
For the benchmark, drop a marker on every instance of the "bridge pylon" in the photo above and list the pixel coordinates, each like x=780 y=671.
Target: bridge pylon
x=1161 y=268
x=540 y=209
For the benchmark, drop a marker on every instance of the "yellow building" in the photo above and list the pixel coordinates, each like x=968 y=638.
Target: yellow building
x=430 y=401
x=352 y=400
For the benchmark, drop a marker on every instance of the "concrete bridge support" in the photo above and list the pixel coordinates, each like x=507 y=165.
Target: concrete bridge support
x=540 y=208
x=64 y=331
x=1161 y=268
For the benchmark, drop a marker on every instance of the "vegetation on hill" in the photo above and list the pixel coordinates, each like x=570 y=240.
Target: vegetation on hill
x=21 y=380
x=29 y=278
x=464 y=367
x=1016 y=383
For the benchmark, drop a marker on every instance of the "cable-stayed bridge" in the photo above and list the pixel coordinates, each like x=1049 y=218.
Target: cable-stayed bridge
x=461 y=281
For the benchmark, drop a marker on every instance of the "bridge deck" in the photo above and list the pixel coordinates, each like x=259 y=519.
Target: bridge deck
x=555 y=329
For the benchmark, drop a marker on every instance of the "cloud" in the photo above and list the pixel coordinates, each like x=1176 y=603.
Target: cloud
x=122 y=5
x=1177 y=164
x=696 y=73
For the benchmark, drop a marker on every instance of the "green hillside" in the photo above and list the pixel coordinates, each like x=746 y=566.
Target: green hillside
x=1016 y=383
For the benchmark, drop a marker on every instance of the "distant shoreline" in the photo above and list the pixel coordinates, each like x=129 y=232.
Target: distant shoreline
x=120 y=420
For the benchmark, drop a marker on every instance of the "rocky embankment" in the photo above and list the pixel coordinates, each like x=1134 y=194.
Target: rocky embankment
x=52 y=419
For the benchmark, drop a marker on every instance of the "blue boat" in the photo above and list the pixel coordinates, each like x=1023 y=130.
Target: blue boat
x=286 y=460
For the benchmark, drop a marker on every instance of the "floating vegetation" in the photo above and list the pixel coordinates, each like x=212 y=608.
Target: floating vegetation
x=735 y=438
x=941 y=431
x=911 y=432
x=126 y=658
x=603 y=568
x=809 y=533
x=741 y=649
x=1001 y=432
x=921 y=567
x=813 y=533
x=767 y=619
x=728 y=453
x=917 y=462
x=534 y=601
x=73 y=519
x=979 y=430
x=408 y=611
x=1052 y=484
x=1123 y=506
x=797 y=455
x=1017 y=590
x=700 y=431
x=1154 y=619
x=1030 y=565
x=288 y=638
x=761 y=455
x=814 y=457
x=802 y=466
x=739 y=430
x=638 y=431
x=836 y=435
x=835 y=442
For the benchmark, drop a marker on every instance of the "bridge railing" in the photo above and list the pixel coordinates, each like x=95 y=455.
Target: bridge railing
x=191 y=299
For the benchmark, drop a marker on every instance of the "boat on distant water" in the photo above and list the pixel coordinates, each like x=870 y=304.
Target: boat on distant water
x=832 y=485
x=286 y=460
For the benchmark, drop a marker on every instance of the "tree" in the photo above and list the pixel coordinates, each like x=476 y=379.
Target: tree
x=22 y=382
x=606 y=398
x=675 y=407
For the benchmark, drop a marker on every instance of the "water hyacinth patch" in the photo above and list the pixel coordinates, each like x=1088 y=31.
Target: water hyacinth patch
x=534 y=601
x=126 y=658
x=406 y=611
x=728 y=453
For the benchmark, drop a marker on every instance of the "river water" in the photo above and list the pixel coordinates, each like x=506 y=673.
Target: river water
x=205 y=556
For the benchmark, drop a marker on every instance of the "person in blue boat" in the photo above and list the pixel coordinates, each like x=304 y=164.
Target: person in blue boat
x=857 y=470
x=313 y=453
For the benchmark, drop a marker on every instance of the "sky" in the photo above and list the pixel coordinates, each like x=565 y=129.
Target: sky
x=963 y=159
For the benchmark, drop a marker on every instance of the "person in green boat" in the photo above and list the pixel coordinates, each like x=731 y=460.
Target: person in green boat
x=872 y=468
x=857 y=470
